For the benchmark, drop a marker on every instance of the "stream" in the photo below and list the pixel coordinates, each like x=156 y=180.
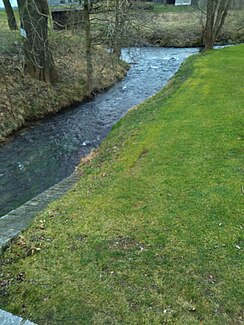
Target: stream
x=48 y=151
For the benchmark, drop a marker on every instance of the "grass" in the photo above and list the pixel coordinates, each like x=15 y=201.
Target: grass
x=7 y=37
x=172 y=26
x=152 y=233
x=161 y=8
x=183 y=28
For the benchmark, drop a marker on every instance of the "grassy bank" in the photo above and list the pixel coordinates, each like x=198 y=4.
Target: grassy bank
x=175 y=26
x=152 y=233
x=23 y=98
x=182 y=27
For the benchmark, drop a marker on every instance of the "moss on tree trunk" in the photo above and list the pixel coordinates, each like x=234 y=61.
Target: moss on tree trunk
x=39 y=62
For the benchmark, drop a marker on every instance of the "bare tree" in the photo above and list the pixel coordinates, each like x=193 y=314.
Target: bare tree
x=88 y=47
x=39 y=62
x=10 y=14
x=95 y=17
x=194 y=3
x=120 y=17
x=120 y=26
x=217 y=11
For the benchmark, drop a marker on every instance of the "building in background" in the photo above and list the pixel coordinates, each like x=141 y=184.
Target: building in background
x=13 y=3
x=182 y=2
x=51 y=2
x=174 y=2
x=58 y=2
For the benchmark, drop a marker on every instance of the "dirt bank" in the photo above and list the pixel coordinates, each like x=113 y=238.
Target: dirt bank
x=184 y=29
x=23 y=99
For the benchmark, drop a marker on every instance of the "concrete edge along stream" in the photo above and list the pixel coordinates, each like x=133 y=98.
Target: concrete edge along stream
x=9 y=319
x=13 y=223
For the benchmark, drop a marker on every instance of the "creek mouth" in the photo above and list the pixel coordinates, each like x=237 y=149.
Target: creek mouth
x=47 y=152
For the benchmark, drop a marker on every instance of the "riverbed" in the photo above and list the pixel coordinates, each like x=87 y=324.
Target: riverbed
x=48 y=151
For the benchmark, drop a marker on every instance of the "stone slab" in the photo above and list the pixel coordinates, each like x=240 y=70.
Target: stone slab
x=9 y=319
x=15 y=222
x=4 y=241
x=20 y=219
x=9 y=232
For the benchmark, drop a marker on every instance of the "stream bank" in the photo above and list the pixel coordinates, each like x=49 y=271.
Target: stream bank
x=41 y=156
x=24 y=99
x=151 y=234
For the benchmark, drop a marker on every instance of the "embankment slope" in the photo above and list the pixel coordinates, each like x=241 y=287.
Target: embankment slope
x=152 y=231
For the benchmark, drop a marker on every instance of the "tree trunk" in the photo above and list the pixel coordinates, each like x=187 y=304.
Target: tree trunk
x=39 y=62
x=88 y=41
x=194 y=3
x=217 y=11
x=119 y=26
x=208 y=33
x=10 y=14
x=116 y=47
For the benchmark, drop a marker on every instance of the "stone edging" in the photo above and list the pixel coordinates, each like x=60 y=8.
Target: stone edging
x=13 y=223
x=9 y=319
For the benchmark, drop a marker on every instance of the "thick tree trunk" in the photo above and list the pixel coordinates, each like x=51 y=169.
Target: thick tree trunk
x=208 y=33
x=10 y=14
x=217 y=11
x=89 y=67
x=38 y=57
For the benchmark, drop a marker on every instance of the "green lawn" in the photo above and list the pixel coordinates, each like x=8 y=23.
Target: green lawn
x=8 y=38
x=161 y=8
x=152 y=233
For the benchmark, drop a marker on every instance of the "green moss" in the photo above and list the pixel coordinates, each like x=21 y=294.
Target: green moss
x=152 y=232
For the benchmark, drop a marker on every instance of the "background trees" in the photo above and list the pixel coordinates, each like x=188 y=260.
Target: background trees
x=114 y=24
x=216 y=14
x=88 y=47
x=120 y=10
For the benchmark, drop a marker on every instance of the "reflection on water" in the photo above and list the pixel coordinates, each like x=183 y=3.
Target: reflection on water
x=40 y=156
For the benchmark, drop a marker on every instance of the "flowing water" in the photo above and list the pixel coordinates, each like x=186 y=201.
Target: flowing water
x=47 y=152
